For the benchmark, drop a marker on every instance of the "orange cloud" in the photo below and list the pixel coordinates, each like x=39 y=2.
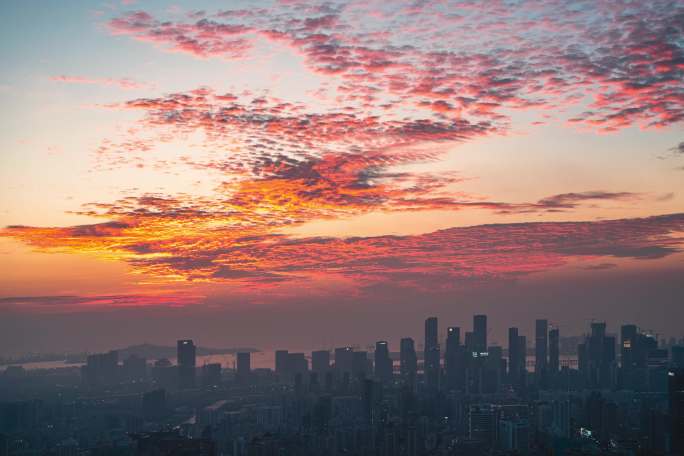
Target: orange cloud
x=177 y=245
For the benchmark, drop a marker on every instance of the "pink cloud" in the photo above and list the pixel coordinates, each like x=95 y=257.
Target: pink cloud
x=204 y=38
x=472 y=67
x=122 y=83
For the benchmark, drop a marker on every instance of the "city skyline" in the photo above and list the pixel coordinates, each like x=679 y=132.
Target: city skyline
x=616 y=395
x=253 y=171
x=542 y=355
x=436 y=350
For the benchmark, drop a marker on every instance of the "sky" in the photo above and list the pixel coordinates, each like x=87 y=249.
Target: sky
x=303 y=174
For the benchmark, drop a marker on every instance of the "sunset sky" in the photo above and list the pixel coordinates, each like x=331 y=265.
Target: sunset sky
x=293 y=173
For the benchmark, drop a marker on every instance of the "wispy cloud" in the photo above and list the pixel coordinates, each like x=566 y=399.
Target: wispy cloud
x=69 y=303
x=122 y=83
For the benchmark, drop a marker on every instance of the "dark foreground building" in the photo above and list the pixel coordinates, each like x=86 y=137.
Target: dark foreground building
x=171 y=443
x=676 y=398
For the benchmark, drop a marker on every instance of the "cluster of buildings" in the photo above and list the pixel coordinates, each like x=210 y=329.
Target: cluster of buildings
x=461 y=395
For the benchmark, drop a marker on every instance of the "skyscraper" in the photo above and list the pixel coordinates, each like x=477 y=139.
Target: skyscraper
x=597 y=357
x=320 y=361
x=134 y=368
x=431 y=356
x=482 y=422
x=628 y=342
x=677 y=354
x=408 y=361
x=360 y=364
x=676 y=402
x=431 y=338
x=211 y=374
x=281 y=363
x=297 y=364
x=469 y=342
x=609 y=364
x=186 y=354
x=541 y=347
x=492 y=369
x=101 y=369
x=453 y=339
x=554 y=353
x=634 y=349
x=344 y=358
x=244 y=367
x=383 y=362
x=513 y=355
x=454 y=364
x=517 y=348
x=480 y=333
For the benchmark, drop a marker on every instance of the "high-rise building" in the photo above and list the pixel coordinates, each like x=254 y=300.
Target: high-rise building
x=453 y=339
x=482 y=422
x=134 y=368
x=320 y=362
x=431 y=335
x=383 y=362
x=541 y=344
x=372 y=397
x=514 y=435
x=186 y=355
x=492 y=369
x=628 y=346
x=677 y=356
x=101 y=369
x=281 y=363
x=344 y=359
x=469 y=341
x=635 y=348
x=360 y=364
x=596 y=357
x=211 y=374
x=476 y=354
x=297 y=364
x=517 y=351
x=512 y=348
x=480 y=333
x=676 y=402
x=554 y=353
x=522 y=342
x=431 y=355
x=244 y=367
x=408 y=361
x=454 y=359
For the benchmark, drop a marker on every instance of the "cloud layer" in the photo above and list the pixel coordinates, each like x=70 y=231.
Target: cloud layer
x=465 y=60
x=442 y=259
x=404 y=82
